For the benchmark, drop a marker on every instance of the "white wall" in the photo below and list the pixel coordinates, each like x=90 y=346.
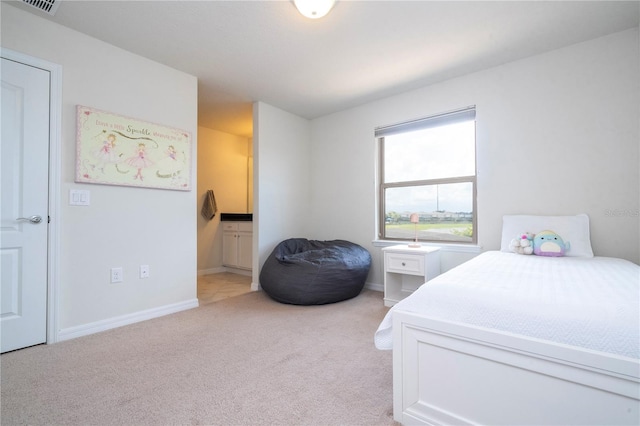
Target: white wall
x=222 y=167
x=282 y=189
x=575 y=111
x=123 y=226
x=556 y=134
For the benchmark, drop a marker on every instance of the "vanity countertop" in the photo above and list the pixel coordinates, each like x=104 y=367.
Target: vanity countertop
x=236 y=217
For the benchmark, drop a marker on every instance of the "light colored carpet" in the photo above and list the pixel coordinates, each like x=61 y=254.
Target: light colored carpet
x=245 y=360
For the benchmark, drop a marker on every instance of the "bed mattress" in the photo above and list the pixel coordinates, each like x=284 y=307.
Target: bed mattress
x=591 y=303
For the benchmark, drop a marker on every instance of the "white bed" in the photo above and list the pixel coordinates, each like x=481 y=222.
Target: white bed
x=513 y=339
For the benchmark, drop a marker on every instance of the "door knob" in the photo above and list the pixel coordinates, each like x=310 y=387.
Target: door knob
x=32 y=219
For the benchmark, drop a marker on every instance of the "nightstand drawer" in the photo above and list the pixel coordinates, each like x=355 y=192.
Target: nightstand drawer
x=405 y=264
x=406 y=269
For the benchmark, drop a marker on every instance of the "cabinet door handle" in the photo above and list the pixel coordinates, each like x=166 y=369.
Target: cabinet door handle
x=404 y=264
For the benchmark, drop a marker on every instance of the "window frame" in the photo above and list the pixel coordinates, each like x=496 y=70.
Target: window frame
x=460 y=115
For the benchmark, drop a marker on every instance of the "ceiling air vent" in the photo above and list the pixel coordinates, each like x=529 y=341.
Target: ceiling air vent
x=48 y=6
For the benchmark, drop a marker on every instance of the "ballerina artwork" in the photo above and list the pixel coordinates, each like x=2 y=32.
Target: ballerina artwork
x=170 y=166
x=112 y=149
x=140 y=160
x=106 y=154
x=171 y=152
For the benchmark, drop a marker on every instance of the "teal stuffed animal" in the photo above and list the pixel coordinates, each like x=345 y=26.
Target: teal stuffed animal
x=548 y=243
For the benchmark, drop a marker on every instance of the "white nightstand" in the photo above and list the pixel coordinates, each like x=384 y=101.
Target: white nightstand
x=406 y=269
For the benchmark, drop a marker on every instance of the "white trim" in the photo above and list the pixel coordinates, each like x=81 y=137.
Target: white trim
x=220 y=269
x=444 y=247
x=248 y=273
x=245 y=272
x=55 y=138
x=108 y=324
x=212 y=271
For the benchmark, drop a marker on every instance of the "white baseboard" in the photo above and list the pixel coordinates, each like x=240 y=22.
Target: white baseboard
x=212 y=270
x=245 y=272
x=224 y=269
x=374 y=286
x=108 y=324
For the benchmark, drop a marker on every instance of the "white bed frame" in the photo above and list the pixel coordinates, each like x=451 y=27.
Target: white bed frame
x=449 y=373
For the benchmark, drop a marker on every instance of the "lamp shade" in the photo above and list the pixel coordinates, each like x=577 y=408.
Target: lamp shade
x=414 y=218
x=314 y=9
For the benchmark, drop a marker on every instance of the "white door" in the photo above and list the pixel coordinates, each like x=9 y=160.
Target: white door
x=24 y=162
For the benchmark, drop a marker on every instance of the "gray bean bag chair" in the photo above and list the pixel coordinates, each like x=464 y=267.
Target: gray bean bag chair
x=309 y=272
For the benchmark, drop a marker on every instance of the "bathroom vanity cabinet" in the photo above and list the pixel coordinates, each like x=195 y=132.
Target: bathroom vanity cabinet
x=237 y=244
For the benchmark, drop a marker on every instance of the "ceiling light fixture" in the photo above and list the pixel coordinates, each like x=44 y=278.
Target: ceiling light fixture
x=314 y=9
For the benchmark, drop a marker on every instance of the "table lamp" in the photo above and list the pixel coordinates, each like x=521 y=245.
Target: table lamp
x=414 y=218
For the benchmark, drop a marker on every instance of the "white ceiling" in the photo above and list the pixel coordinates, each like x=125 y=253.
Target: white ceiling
x=245 y=51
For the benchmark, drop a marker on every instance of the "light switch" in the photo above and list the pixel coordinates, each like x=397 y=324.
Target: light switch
x=78 y=197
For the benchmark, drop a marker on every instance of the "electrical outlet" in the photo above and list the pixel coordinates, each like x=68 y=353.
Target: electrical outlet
x=144 y=271
x=116 y=275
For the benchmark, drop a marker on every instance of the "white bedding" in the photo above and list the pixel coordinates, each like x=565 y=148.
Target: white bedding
x=587 y=302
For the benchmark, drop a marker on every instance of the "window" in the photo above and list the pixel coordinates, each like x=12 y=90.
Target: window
x=428 y=167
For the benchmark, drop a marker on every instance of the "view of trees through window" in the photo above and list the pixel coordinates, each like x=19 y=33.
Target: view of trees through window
x=429 y=169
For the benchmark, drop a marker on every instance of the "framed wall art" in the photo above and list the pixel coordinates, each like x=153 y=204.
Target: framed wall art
x=117 y=150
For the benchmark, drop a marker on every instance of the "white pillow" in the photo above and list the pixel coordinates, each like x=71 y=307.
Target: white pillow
x=572 y=229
